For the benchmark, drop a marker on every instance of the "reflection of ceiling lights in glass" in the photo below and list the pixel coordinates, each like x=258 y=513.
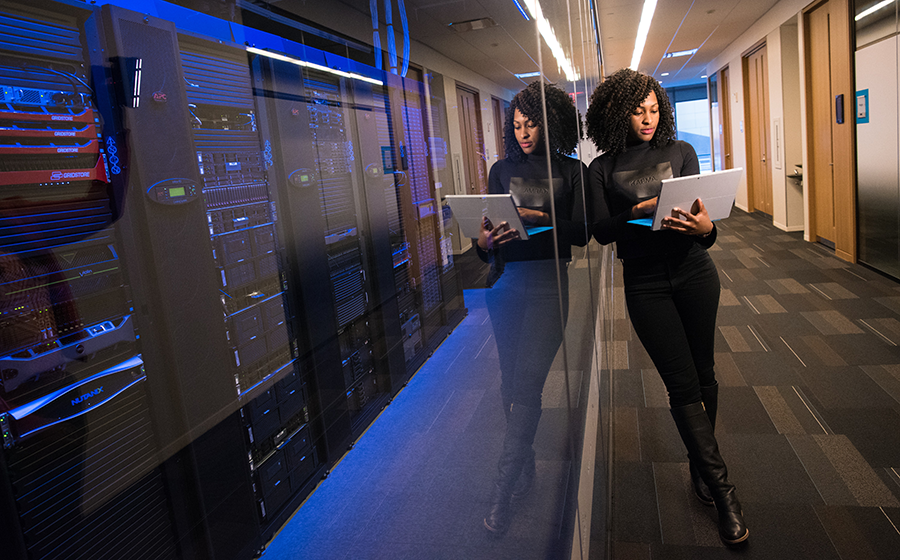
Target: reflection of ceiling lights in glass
x=562 y=61
x=643 y=31
x=873 y=9
x=315 y=66
x=689 y=52
x=527 y=75
x=522 y=10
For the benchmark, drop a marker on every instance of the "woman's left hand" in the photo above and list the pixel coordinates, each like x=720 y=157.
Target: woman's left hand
x=695 y=222
x=534 y=217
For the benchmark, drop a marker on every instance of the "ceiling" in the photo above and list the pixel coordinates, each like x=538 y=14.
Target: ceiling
x=500 y=42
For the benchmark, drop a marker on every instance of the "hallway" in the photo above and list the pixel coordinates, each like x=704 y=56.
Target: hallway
x=809 y=423
x=809 y=412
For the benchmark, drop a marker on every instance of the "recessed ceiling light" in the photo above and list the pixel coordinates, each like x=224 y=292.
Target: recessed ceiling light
x=665 y=73
x=703 y=76
x=680 y=53
x=463 y=26
x=527 y=75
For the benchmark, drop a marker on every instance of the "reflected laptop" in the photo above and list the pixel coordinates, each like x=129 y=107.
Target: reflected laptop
x=470 y=209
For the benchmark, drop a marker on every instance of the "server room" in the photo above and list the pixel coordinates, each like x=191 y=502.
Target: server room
x=233 y=284
x=243 y=312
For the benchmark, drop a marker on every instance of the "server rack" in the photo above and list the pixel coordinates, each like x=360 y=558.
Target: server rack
x=433 y=278
x=308 y=122
x=241 y=213
x=176 y=280
x=79 y=476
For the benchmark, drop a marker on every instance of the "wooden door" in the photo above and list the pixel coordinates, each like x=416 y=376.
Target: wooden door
x=759 y=156
x=725 y=108
x=831 y=173
x=499 y=117
x=821 y=152
x=720 y=120
x=474 y=173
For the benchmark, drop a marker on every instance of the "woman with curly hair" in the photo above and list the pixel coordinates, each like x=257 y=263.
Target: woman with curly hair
x=671 y=283
x=523 y=303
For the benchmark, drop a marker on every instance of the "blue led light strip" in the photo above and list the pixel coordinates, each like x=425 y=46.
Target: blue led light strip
x=522 y=10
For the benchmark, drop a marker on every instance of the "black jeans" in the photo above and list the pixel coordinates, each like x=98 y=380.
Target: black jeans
x=673 y=303
x=524 y=307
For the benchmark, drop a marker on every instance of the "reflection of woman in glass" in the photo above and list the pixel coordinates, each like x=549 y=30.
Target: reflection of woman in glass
x=671 y=284
x=524 y=303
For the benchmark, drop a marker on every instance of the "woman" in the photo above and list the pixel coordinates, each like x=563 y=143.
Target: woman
x=524 y=300
x=671 y=283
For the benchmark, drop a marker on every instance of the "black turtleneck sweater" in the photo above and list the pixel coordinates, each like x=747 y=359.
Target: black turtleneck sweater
x=618 y=182
x=528 y=183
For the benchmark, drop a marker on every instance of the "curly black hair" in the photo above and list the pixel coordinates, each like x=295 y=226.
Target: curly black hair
x=563 y=120
x=612 y=103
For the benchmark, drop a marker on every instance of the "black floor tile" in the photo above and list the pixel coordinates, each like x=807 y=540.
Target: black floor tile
x=875 y=432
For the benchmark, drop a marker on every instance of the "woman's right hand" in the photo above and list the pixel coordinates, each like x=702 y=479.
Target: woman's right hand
x=644 y=209
x=491 y=237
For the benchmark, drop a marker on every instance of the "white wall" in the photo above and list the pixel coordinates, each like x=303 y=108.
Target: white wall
x=792 y=88
x=767 y=27
x=784 y=126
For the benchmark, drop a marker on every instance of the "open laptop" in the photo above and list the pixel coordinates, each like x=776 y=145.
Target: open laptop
x=717 y=191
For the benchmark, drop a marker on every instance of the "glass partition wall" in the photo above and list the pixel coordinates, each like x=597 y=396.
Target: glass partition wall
x=239 y=315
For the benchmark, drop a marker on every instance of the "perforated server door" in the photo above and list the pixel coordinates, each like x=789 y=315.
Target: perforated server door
x=177 y=284
x=79 y=477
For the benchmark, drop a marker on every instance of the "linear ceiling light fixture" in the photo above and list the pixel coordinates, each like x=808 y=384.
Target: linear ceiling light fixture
x=315 y=66
x=643 y=31
x=873 y=9
x=562 y=61
x=527 y=75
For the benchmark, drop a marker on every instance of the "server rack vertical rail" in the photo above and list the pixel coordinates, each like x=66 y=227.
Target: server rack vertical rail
x=73 y=396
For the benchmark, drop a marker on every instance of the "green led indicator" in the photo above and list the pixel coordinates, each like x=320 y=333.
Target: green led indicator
x=176 y=191
x=304 y=178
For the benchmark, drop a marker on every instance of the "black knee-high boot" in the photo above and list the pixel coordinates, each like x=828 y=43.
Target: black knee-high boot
x=529 y=471
x=697 y=434
x=520 y=429
x=710 y=397
x=526 y=479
